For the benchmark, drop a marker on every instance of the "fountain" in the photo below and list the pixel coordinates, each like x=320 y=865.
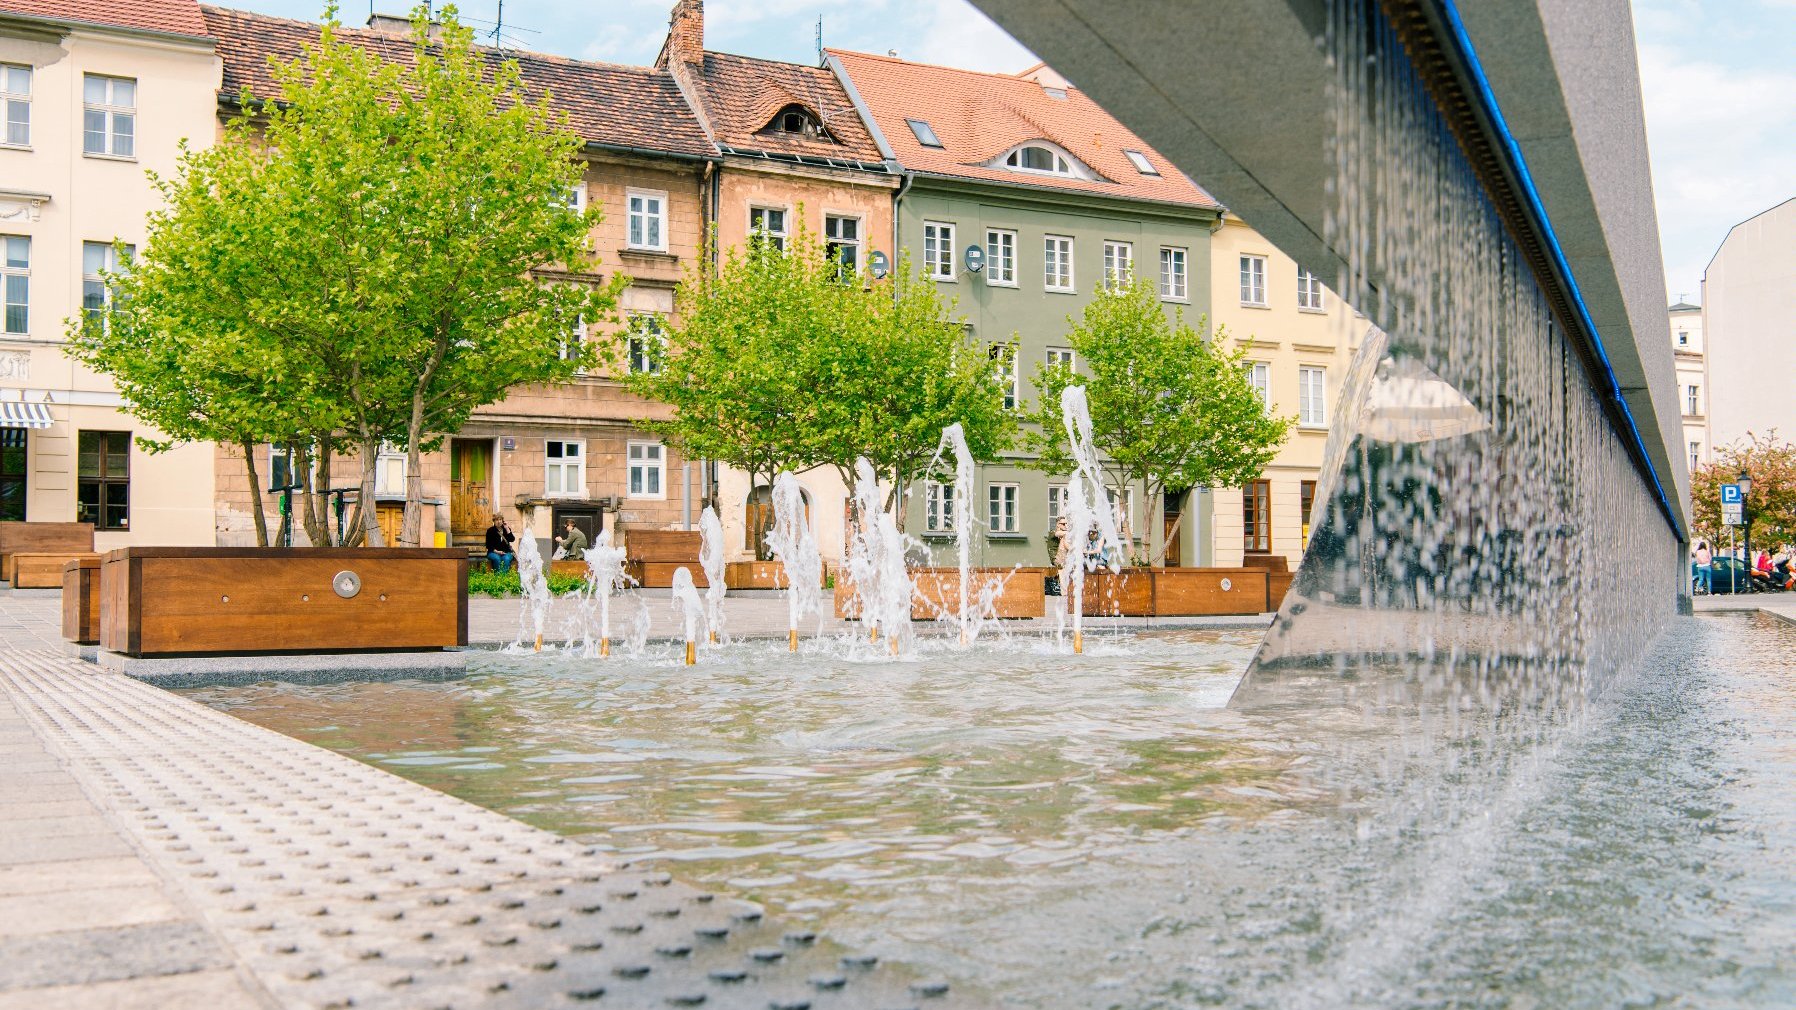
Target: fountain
x=1084 y=491
x=534 y=581
x=691 y=608
x=791 y=541
x=954 y=437
x=876 y=564
x=710 y=559
x=604 y=578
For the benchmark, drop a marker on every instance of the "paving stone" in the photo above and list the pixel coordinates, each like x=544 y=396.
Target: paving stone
x=75 y=874
x=55 y=848
x=58 y=827
x=103 y=955
x=199 y=990
x=10 y=812
x=87 y=908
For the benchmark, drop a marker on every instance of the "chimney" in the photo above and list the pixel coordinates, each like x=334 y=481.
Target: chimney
x=401 y=25
x=685 y=35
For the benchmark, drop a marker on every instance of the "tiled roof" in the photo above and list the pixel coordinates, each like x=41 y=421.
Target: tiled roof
x=606 y=103
x=741 y=95
x=177 y=17
x=978 y=117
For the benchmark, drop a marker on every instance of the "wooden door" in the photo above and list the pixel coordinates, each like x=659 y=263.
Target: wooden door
x=391 y=517
x=470 y=487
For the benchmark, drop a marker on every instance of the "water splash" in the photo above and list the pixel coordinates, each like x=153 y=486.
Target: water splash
x=534 y=580
x=796 y=548
x=691 y=608
x=605 y=578
x=1085 y=488
x=954 y=438
x=710 y=559
x=881 y=580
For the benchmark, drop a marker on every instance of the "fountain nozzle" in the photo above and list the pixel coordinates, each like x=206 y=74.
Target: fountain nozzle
x=604 y=647
x=792 y=639
x=691 y=652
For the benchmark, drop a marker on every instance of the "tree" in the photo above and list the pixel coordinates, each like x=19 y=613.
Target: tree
x=406 y=252
x=1770 y=507
x=1170 y=408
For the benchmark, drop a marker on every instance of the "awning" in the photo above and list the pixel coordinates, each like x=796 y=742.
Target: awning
x=14 y=414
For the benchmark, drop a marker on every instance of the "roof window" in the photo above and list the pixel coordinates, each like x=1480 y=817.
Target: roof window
x=1142 y=165
x=797 y=121
x=1041 y=159
x=925 y=134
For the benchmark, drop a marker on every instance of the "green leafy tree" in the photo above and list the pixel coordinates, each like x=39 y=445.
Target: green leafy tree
x=1170 y=407
x=1771 y=505
x=408 y=244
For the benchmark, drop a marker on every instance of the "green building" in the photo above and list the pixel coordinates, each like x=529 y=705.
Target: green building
x=1022 y=198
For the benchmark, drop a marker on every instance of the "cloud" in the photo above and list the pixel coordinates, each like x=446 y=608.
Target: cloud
x=954 y=33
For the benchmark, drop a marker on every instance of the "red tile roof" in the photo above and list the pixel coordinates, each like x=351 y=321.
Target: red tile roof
x=607 y=104
x=177 y=17
x=742 y=94
x=979 y=116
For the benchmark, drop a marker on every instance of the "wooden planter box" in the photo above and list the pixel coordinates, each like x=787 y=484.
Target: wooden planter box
x=34 y=570
x=575 y=568
x=659 y=574
x=677 y=546
x=81 y=600
x=67 y=539
x=760 y=574
x=1277 y=585
x=938 y=592
x=1174 y=592
x=236 y=600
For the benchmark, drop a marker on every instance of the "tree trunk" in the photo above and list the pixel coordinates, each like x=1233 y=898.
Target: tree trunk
x=284 y=538
x=321 y=486
x=412 y=529
x=316 y=533
x=255 y=493
x=371 y=535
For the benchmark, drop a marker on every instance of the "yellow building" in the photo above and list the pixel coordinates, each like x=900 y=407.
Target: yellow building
x=1299 y=339
x=90 y=101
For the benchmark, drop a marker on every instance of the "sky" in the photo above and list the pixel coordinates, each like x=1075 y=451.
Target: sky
x=1718 y=78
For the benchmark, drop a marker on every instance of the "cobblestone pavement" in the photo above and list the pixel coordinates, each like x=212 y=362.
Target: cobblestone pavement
x=156 y=853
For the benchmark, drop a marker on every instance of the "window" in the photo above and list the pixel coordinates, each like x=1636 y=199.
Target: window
x=1003 y=357
x=1061 y=357
x=1000 y=511
x=938 y=505
x=1306 y=499
x=1000 y=257
x=1056 y=504
x=1119 y=264
x=1172 y=273
x=938 y=250
x=389 y=469
x=573 y=197
x=843 y=238
x=1039 y=159
x=1309 y=291
x=1139 y=160
x=1683 y=338
x=1259 y=376
x=12 y=474
x=109 y=116
x=767 y=226
x=280 y=466
x=571 y=344
x=1692 y=400
x=1312 y=410
x=103 y=486
x=1057 y=263
x=15 y=283
x=647 y=342
x=648 y=465
x=1253 y=280
x=1256 y=517
x=924 y=134
x=647 y=214
x=1695 y=455
x=97 y=260
x=799 y=122
x=564 y=467
x=15 y=105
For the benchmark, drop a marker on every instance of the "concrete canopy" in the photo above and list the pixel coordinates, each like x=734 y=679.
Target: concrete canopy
x=1235 y=93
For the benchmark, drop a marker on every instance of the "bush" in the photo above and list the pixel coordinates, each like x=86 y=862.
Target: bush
x=483 y=582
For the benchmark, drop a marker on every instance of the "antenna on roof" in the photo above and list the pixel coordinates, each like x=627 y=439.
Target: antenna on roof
x=819 y=40
x=499 y=27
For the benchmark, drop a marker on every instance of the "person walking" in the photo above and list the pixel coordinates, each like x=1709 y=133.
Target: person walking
x=1705 y=568
x=571 y=545
x=501 y=544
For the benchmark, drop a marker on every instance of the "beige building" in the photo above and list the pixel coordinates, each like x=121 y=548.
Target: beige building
x=1693 y=381
x=1299 y=338
x=1749 y=329
x=92 y=98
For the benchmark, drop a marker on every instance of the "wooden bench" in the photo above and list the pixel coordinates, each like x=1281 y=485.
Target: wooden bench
x=43 y=569
x=81 y=600
x=42 y=538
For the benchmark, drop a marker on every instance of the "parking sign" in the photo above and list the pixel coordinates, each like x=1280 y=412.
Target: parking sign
x=1730 y=494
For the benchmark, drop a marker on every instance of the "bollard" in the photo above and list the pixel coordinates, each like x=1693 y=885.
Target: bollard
x=1078 y=642
x=792 y=639
x=691 y=652
x=604 y=647
x=539 y=643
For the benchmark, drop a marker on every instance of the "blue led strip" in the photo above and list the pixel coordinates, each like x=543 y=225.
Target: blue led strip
x=1520 y=165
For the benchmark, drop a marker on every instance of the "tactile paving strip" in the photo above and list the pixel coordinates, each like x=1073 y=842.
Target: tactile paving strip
x=340 y=885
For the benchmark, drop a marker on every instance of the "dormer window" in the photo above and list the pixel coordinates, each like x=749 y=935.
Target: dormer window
x=797 y=121
x=1040 y=158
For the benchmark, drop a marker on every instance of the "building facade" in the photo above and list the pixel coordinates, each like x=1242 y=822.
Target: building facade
x=1693 y=380
x=1022 y=199
x=1298 y=338
x=1749 y=329
x=546 y=452
x=92 y=97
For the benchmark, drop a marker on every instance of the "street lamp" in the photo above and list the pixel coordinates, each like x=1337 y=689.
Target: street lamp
x=1744 y=481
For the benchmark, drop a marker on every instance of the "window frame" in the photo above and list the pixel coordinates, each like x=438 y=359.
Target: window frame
x=1695 y=455
x=642 y=326
x=16 y=440
x=9 y=100
x=1003 y=508
x=844 y=271
x=1310 y=297
x=113 y=113
x=1119 y=264
x=1306 y=502
x=389 y=453
x=92 y=283
x=1005 y=355
x=1306 y=418
x=103 y=482
x=559 y=463
x=1062 y=356
x=1169 y=256
x=1259 y=376
x=1692 y=401
x=1256 y=517
x=1140 y=160
x=1056 y=504
x=659 y=218
x=938 y=506
x=993 y=261
x=1062 y=257
x=1252 y=277
x=933 y=248
x=925 y=134
x=762 y=233
x=633 y=464
x=9 y=274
